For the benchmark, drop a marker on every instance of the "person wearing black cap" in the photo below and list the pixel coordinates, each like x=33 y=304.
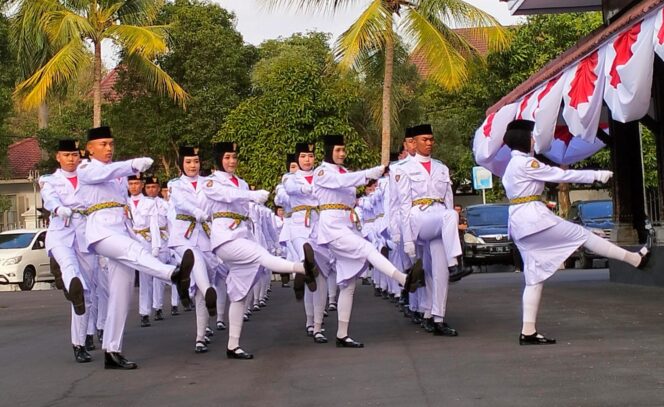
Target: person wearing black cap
x=303 y=227
x=71 y=264
x=282 y=199
x=544 y=240
x=335 y=189
x=190 y=231
x=232 y=240
x=165 y=198
x=108 y=235
x=426 y=206
x=152 y=188
x=145 y=228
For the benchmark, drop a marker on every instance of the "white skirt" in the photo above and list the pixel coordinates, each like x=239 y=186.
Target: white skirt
x=545 y=251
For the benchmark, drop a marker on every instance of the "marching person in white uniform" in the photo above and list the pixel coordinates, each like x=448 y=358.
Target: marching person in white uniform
x=304 y=229
x=335 y=188
x=73 y=266
x=145 y=228
x=152 y=189
x=107 y=232
x=282 y=199
x=544 y=239
x=190 y=232
x=426 y=206
x=233 y=242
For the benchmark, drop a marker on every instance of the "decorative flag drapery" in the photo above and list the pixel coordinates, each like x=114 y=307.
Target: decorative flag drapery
x=619 y=73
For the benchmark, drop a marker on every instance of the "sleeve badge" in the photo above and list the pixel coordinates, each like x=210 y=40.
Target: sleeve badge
x=534 y=164
x=209 y=184
x=320 y=173
x=397 y=177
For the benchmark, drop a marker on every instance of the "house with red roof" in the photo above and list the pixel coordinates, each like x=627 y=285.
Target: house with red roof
x=20 y=187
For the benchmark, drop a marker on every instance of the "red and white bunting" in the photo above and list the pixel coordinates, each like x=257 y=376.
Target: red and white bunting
x=659 y=33
x=583 y=96
x=488 y=142
x=549 y=98
x=628 y=71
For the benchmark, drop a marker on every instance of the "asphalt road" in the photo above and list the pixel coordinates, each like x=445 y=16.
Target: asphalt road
x=610 y=352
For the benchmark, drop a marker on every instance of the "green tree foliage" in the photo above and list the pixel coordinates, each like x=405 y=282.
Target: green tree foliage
x=209 y=59
x=298 y=96
x=7 y=80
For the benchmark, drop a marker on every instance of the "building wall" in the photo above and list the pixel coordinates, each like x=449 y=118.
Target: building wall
x=22 y=196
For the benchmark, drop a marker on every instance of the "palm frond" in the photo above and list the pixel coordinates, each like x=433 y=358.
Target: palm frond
x=139 y=12
x=62 y=67
x=448 y=65
x=367 y=33
x=146 y=41
x=458 y=13
x=62 y=26
x=158 y=78
x=310 y=6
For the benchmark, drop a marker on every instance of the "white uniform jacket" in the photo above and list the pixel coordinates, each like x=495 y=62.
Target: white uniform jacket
x=57 y=191
x=525 y=176
x=145 y=220
x=225 y=197
x=186 y=199
x=332 y=186
x=300 y=193
x=105 y=183
x=414 y=182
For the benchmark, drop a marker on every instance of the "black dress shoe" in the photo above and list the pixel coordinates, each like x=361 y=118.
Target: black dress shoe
x=417 y=317
x=90 y=342
x=427 y=324
x=181 y=277
x=81 y=355
x=407 y=313
x=208 y=331
x=365 y=281
x=309 y=330
x=348 y=342
x=174 y=310
x=221 y=326
x=385 y=294
x=393 y=298
x=115 y=360
x=457 y=273
x=378 y=292
x=415 y=277
x=332 y=307
x=57 y=273
x=158 y=315
x=200 y=347
x=211 y=301
x=76 y=296
x=319 y=337
x=442 y=329
x=100 y=335
x=145 y=321
x=188 y=308
x=238 y=353
x=535 y=339
x=298 y=287
x=645 y=254
x=310 y=267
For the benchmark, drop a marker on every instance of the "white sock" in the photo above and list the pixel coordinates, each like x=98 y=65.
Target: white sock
x=532 y=294
x=607 y=249
x=309 y=306
x=427 y=314
x=235 y=320
x=344 y=309
x=202 y=316
x=383 y=265
x=437 y=319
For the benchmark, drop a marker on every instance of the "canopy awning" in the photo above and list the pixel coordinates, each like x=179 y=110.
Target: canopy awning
x=613 y=65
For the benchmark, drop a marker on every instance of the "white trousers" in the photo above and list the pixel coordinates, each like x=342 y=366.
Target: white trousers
x=124 y=256
x=73 y=264
x=435 y=262
x=102 y=291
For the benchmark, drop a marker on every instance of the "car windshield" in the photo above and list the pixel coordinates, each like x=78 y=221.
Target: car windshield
x=15 y=240
x=488 y=215
x=596 y=210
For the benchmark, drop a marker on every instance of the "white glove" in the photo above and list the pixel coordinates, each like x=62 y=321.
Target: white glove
x=63 y=212
x=603 y=176
x=200 y=215
x=259 y=196
x=375 y=172
x=307 y=189
x=409 y=249
x=142 y=164
x=155 y=252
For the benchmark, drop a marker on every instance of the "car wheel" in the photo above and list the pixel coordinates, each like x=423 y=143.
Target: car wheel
x=570 y=263
x=586 y=262
x=28 y=279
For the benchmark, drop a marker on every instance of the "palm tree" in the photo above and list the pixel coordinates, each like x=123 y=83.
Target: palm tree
x=71 y=27
x=426 y=26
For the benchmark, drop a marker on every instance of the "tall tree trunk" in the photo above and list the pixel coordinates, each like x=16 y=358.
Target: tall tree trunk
x=96 y=87
x=386 y=136
x=42 y=116
x=564 y=203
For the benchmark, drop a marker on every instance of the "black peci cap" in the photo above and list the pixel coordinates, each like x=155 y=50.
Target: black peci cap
x=68 y=145
x=99 y=133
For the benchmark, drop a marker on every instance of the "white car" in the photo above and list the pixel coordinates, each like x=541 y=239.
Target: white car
x=23 y=258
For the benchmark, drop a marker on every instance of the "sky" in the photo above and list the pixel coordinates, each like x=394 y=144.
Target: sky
x=257 y=24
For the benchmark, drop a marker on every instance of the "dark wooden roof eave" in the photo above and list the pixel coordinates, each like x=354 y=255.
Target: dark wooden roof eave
x=584 y=47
